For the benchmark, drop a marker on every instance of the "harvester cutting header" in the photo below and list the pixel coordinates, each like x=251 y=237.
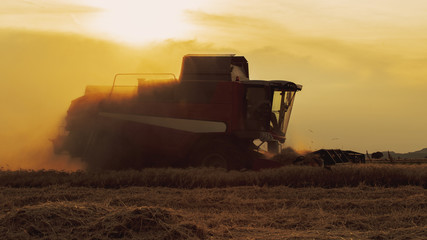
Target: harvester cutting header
x=210 y=116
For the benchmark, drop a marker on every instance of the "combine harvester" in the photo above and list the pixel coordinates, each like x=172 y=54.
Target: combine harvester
x=210 y=116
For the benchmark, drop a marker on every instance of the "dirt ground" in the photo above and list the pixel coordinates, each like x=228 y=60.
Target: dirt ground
x=247 y=212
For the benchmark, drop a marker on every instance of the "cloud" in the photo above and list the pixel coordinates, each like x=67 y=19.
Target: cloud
x=16 y=7
x=384 y=60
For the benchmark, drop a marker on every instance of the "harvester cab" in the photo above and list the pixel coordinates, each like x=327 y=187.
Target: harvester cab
x=267 y=104
x=210 y=116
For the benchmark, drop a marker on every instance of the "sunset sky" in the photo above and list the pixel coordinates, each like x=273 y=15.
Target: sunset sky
x=362 y=63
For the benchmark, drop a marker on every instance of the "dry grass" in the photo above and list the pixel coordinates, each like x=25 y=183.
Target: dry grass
x=292 y=176
x=250 y=212
x=62 y=220
x=349 y=202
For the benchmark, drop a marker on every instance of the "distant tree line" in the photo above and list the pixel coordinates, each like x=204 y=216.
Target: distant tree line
x=377 y=155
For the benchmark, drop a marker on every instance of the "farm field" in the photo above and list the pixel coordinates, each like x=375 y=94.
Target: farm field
x=227 y=205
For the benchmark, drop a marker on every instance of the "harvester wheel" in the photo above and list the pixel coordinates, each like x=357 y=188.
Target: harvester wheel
x=75 y=143
x=218 y=154
x=106 y=151
x=215 y=160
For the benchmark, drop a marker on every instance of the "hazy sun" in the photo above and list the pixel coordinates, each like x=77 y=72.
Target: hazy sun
x=139 y=21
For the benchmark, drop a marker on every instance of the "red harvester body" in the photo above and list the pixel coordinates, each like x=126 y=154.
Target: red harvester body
x=210 y=116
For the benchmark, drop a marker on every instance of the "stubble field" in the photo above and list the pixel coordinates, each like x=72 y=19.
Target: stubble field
x=349 y=202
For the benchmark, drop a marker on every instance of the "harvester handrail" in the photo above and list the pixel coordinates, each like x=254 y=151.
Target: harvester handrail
x=138 y=74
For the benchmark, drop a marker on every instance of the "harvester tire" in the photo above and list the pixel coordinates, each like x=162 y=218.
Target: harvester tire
x=215 y=159
x=106 y=151
x=218 y=154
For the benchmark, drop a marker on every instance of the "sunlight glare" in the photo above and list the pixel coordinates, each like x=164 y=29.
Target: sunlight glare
x=138 y=22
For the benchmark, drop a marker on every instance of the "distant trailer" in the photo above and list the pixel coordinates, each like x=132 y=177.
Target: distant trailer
x=337 y=156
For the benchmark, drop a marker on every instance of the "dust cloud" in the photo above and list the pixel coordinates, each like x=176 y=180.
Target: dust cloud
x=41 y=72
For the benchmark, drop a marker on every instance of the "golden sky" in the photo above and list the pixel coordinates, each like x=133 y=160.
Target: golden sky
x=362 y=63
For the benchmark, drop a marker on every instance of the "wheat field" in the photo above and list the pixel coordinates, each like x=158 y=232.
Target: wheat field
x=348 y=202
x=384 y=175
